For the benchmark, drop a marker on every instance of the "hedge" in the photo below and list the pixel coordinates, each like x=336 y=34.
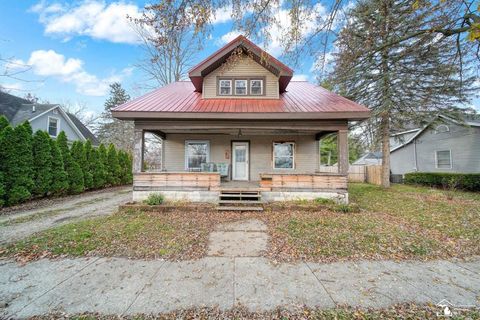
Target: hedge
x=464 y=181
x=35 y=165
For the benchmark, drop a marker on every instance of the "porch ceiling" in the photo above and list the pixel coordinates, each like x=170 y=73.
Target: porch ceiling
x=238 y=131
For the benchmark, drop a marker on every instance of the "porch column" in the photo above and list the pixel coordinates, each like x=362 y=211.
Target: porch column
x=342 y=145
x=163 y=154
x=138 y=148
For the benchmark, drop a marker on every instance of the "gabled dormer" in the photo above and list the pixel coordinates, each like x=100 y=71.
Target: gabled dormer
x=252 y=74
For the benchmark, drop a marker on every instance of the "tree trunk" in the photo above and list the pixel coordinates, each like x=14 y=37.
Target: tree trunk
x=385 y=150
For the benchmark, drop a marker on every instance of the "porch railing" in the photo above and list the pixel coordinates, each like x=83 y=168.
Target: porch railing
x=297 y=182
x=181 y=181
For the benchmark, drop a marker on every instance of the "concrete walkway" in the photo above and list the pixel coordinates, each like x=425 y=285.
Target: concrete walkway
x=225 y=279
x=24 y=223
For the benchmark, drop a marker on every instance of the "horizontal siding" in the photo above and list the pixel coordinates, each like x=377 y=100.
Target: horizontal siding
x=245 y=67
x=306 y=158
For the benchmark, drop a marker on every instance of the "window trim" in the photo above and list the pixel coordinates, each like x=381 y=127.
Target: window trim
x=442 y=125
x=246 y=87
x=293 y=155
x=187 y=142
x=219 y=87
x=48 y=126
x=232 y=80
x=436 y=159
x=250 y=87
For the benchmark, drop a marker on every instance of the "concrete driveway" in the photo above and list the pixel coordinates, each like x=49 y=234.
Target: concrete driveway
x=23 y=223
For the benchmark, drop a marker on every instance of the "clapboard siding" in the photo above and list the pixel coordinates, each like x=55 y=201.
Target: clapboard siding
x=306 y=157
x=245 y=67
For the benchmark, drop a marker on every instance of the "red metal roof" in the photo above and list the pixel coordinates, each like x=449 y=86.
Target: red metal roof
x=301 y=98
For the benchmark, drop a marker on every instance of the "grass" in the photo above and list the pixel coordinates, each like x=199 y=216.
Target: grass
x=403 y=222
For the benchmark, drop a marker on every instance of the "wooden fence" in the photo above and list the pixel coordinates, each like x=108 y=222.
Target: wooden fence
x=371 y=174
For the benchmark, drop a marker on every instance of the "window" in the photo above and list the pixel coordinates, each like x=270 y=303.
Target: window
x=196 y=153
x=442 y=128
x=240 y=87
x=443 y=159
x=256 y=87
x=225 y=87
x=283 y=155
x=53 y=126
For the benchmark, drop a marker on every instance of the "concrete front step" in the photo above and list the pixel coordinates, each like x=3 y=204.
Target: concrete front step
x=222 y=201
x=238 y=208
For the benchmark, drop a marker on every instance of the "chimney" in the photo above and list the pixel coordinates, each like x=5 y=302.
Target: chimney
x=33 y=108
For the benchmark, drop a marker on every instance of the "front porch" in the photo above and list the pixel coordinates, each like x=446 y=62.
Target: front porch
x=278 y=159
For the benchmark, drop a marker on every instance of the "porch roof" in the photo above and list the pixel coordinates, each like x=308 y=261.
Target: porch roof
x=303 y=100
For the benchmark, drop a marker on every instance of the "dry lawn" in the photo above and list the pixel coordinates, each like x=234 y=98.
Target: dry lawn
x=403 y=222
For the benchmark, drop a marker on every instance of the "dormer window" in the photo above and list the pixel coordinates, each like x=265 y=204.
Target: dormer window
x=256 y=87
x=240 y=87
x=225 y=87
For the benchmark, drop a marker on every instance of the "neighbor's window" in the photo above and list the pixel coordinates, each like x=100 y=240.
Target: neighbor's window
x=283 y=155
x=53 y=127
x=444 y=159
x=225 y=87
x=196 y=153
x=256 y=87
x=240 y=87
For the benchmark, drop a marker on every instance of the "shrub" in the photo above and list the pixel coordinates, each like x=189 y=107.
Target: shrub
x=79 y=155
x=464 y=181
x=59 y=176
x=3 y=122
x=72 y=168
x=113 y=166
x=154 y=199
x=42 y=163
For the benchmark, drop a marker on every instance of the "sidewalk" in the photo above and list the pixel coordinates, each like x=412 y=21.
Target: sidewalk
x=123 y=287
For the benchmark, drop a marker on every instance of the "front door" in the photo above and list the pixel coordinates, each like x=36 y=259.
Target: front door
x=240 y=160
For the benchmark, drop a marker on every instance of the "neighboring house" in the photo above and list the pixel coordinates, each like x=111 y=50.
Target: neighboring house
x=48 y=117
x=369 y=159
x=444 y=145
x=241 y=130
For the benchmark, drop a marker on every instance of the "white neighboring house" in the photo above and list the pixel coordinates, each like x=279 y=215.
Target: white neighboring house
x=48 y=117
x=444 y=145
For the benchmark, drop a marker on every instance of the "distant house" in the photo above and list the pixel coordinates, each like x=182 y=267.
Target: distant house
x=369 y=159
x=48 y=117
x=444 y=145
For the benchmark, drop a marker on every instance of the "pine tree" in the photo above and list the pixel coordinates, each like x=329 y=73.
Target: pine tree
x=73 y=169
x=3 y=122
x=112 y=130
x=59 y=176
x=102 y=157
x=16 y=164
x=42 y=163
x=401 y=82
x=113 y=166
x=2 y=188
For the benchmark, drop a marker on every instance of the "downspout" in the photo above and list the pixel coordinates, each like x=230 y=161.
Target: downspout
x=415 y=168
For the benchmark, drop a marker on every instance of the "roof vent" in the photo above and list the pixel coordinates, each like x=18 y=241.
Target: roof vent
x=33 y=108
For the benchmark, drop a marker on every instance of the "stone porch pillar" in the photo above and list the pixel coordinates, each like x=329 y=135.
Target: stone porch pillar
x=138 y=148
x=342 y=145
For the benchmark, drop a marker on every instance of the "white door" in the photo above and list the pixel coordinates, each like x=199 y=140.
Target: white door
x=240 y=161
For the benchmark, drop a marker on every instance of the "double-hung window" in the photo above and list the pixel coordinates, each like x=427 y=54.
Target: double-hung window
x=443 y=159
x=283 y=155
x=53 y=126
x=256 y=87
x=196 y=153
x=240 y=87
x=225 y=87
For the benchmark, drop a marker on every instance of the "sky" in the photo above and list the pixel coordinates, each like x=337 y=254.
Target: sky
x=75 y=49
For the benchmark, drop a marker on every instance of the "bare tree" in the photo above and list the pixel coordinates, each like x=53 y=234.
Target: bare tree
x=81 y=112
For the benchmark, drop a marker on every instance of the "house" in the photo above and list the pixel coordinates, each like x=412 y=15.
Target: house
x=48 y=117
x=369 y=159
x=240 y=128
x=443 y=145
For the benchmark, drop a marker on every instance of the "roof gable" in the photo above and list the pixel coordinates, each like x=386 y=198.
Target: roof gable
x=215 y=60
